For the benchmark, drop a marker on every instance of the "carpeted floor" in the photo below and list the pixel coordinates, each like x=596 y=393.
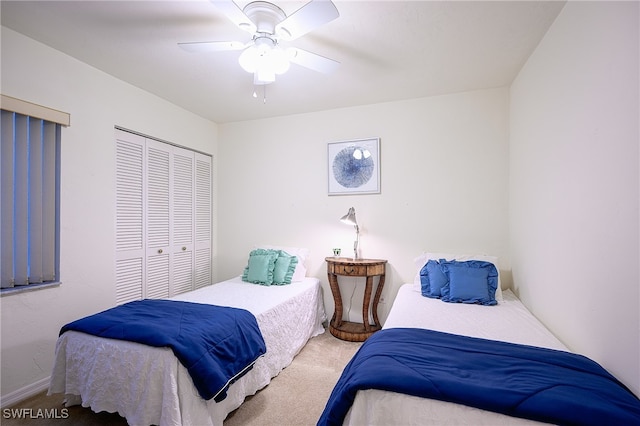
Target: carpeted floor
x=295 y=397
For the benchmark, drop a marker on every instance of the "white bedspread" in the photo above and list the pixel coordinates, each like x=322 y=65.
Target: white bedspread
x=148 y=385
x=509 y=321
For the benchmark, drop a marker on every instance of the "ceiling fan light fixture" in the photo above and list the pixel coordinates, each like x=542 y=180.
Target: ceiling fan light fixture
x=278 y=60
x=248 y=59
x=263 y=76
x=264 y=59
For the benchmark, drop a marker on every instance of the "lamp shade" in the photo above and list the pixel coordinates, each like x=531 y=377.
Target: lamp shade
x=350 y=217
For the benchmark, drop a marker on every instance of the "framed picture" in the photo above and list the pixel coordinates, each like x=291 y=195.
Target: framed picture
x=354 y=167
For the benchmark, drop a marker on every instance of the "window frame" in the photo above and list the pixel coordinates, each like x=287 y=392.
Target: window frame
x=46 y=124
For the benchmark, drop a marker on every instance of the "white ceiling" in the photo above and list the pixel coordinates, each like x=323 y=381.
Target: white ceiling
x=388 y=50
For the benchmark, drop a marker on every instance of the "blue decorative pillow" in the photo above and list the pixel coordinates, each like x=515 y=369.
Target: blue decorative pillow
x=259 y=269
x=432 y=279
x=284 y=268
x=473 y=281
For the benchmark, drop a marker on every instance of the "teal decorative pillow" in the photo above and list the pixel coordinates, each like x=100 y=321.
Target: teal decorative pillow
x=284 y=268
x=260 y=267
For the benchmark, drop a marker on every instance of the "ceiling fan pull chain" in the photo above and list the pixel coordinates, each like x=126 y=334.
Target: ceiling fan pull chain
x=264 y=93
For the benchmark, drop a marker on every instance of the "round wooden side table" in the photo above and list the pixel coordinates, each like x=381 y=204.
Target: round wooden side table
x=369 y=268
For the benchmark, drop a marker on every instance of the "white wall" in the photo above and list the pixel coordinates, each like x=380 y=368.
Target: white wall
x=444 y=185
x=574 y=191
x=97 y=102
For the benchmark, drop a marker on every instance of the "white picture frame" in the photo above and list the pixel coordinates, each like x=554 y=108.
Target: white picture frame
x=353 y=167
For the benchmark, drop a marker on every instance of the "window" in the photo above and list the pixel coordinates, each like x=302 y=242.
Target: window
x=29 y=198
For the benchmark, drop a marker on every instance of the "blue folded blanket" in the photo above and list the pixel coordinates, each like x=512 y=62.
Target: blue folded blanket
x=521 y=381
x=216 y=344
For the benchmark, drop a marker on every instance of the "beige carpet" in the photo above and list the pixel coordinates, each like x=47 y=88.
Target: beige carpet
x=295 y=397
x=299 y=393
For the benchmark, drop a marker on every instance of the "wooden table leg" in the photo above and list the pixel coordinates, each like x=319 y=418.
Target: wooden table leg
x=365 y=303
x=336 y=320
x=376 y=299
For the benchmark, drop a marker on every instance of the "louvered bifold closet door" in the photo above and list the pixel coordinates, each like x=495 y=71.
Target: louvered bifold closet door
x=182 y=256
x=130 y=254
x=158 y=223
x=203 y=246
x=163 y=230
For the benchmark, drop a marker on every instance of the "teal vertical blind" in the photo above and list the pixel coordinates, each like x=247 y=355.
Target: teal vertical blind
x=29 y=214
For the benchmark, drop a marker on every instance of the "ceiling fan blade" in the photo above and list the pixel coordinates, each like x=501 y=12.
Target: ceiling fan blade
x=309 y=17
x=212 y=46
x=312 y=61
x=235 y=14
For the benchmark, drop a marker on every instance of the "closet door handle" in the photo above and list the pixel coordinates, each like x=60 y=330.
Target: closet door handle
x=184 y=248
x=159 y=251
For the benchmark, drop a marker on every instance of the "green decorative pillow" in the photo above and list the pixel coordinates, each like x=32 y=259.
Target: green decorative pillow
x=260 y=267
x=284 y=268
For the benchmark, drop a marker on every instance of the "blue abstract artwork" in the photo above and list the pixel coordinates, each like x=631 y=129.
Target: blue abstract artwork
x=354 y=167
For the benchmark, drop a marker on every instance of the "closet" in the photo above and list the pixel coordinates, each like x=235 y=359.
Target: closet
x=163 y=218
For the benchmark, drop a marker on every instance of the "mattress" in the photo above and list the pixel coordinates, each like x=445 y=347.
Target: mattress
x=148 y=385
x=509 y=321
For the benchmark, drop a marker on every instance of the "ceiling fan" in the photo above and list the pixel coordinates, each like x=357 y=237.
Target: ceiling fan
x=263 y=55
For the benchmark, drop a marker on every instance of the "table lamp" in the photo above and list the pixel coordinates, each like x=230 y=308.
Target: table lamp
x=350 y=219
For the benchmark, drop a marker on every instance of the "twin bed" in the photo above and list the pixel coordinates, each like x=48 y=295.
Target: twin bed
x=150 y=386
x=470 y=364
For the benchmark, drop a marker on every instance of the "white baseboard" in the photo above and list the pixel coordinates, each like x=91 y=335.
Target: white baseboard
x=26 y=392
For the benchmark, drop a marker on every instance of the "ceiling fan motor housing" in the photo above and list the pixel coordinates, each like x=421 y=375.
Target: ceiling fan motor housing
x=265 y=16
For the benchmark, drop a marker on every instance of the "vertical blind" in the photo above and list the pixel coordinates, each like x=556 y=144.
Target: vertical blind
x=29 y=185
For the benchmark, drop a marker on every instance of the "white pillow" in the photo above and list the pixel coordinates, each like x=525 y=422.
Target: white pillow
x=301 y=253
x=425 y=257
